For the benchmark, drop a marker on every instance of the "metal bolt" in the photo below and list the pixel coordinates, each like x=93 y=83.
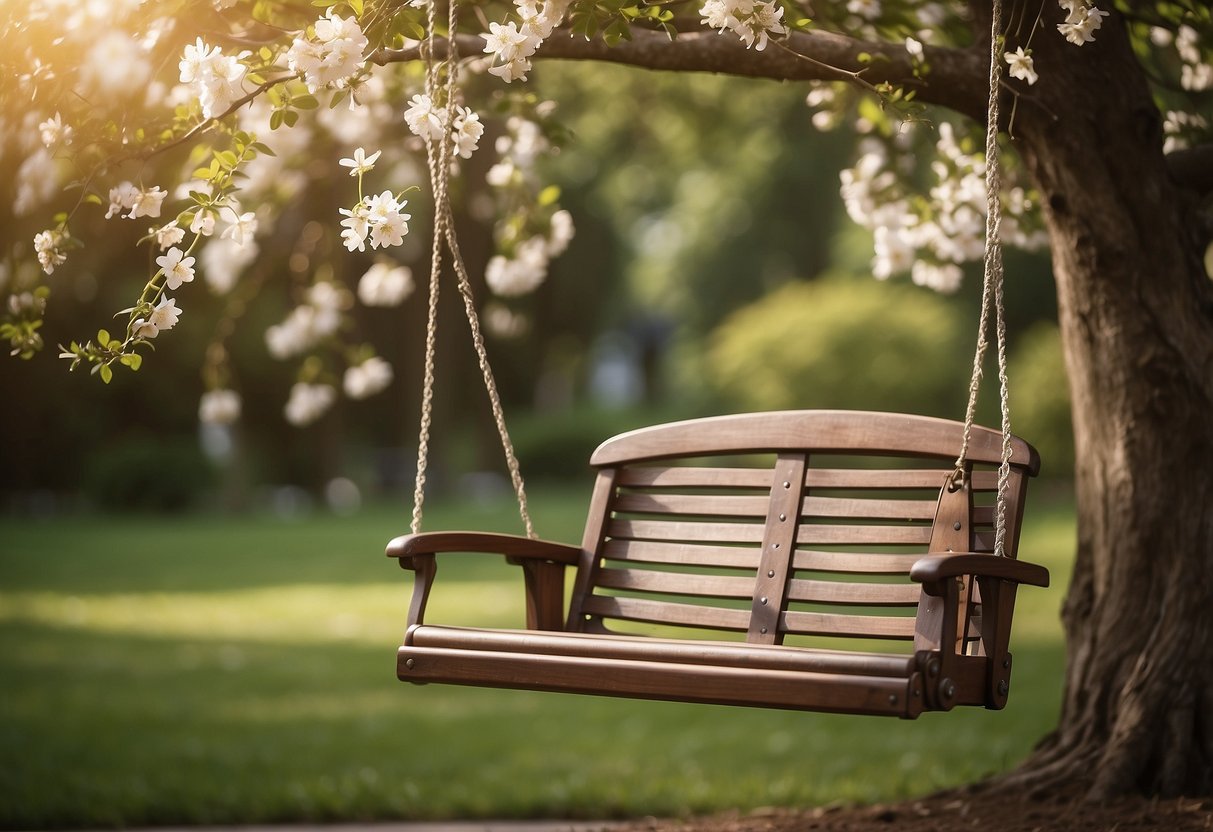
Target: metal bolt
x=763 y=601
x=782 y=517
x=409 y=663
x=763 y=631
x=770 y=573
x=774 y=545
x=947 y=689
x=956 y=525
x=787 y=484
x=1003 y=687
x=1006 y=664
x=892 y=699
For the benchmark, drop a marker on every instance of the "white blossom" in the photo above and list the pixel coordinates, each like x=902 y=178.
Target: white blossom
x=333 y=57
x=511 y=47
x=754 y=21
x=425 y=118
x=560 y=234
x=222 y=261
x=219 y=407
x=48 y=245
x=466 y=132
x=308 y=402
x=522 y=274
x=945 y=278
x=212 y=77
x=368 y=378
x=37 y=182
x=177 y=268
x=168 y=235
x=1021 y=65
x=385 y=285
x=360 y=163
x=203 y=223
x=242 y=229
x=1082 y=21
x=116 y=64
x=54 y=132
x=163 y=317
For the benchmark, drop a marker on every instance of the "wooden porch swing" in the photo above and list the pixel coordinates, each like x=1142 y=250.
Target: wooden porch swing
x=794 y=528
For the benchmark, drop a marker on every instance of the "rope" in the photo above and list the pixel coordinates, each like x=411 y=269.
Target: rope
x=439 y=160
x=992 y=294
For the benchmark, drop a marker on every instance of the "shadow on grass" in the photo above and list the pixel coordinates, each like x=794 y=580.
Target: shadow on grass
x=124 y=730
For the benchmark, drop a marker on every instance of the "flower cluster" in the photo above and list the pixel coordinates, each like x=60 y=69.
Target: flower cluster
x=429 y=121
x=385 y=285
x=512 y=44
x=332 y=56
x=1082 y=21
x=212 y=77
x=308 y=402
x=135 y=201
x=50 y=247
x=219 y=407
x=1021 y=65
x=1194 y=74
x=367 y=378
x=527 y=269
x=931 y=242
x=309 y=323
x=379 y=217
x=754 y=21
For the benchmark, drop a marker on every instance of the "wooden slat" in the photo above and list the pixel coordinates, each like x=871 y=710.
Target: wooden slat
x=687 y=554
x=675 y=583
x=678 y=651
x=814 y=534
x=686 y=531
x=816 y=431
x=664 y=612
x=861 y=509
x=831 y=692
x=661 y=476
x=858 y=563
x=858 y=626
x=699 y=504
x=838 y=592
x=892 y=478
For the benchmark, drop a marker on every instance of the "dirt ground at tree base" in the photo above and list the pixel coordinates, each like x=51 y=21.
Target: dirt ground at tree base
x=961 y=813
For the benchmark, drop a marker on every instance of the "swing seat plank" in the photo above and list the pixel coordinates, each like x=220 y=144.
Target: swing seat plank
x=725 y=560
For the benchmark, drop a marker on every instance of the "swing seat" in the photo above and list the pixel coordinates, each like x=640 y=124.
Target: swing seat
x=728 y=560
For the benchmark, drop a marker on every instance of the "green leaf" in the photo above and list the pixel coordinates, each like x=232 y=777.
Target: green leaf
x=227 y=158
x=93 y=198
x=107 y=375
x=290 y=117
x=263 y=149
x=133 y=360
x=275 y=119
x=356 y=5
x=549 y=195
x=305 y=102
x=103 y=337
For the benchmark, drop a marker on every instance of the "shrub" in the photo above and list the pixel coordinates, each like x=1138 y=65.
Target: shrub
x=1040 y=398
x=844 y=343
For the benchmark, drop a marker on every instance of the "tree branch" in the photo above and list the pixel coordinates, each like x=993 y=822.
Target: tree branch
x=956 y=79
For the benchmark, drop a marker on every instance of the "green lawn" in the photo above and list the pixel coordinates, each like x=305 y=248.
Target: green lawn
x=214 y=669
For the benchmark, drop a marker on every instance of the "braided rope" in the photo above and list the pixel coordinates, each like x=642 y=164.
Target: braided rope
x=439 y=160
x=992 y=292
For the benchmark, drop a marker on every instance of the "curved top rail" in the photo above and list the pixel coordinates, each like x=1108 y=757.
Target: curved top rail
x=819 y=431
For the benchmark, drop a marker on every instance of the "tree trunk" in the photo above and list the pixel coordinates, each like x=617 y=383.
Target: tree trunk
x=1136 y=310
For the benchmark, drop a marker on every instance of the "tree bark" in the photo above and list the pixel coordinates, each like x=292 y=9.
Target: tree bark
x=1136 y=315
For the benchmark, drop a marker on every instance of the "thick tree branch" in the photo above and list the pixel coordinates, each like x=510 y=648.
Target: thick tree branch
x=956 y=79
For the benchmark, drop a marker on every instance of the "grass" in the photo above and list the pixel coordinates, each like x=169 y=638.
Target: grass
x=241 y=670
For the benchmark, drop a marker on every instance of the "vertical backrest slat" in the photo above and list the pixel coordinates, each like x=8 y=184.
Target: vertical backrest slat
x=778 y=542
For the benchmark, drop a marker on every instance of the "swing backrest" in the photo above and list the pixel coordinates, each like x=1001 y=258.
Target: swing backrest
x=779 y=526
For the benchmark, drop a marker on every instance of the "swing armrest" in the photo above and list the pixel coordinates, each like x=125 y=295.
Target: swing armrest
x=932 y=570
x=542 y=561
x=515 y=548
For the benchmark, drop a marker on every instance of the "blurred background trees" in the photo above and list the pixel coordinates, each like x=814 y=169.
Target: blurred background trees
x=714 y=269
